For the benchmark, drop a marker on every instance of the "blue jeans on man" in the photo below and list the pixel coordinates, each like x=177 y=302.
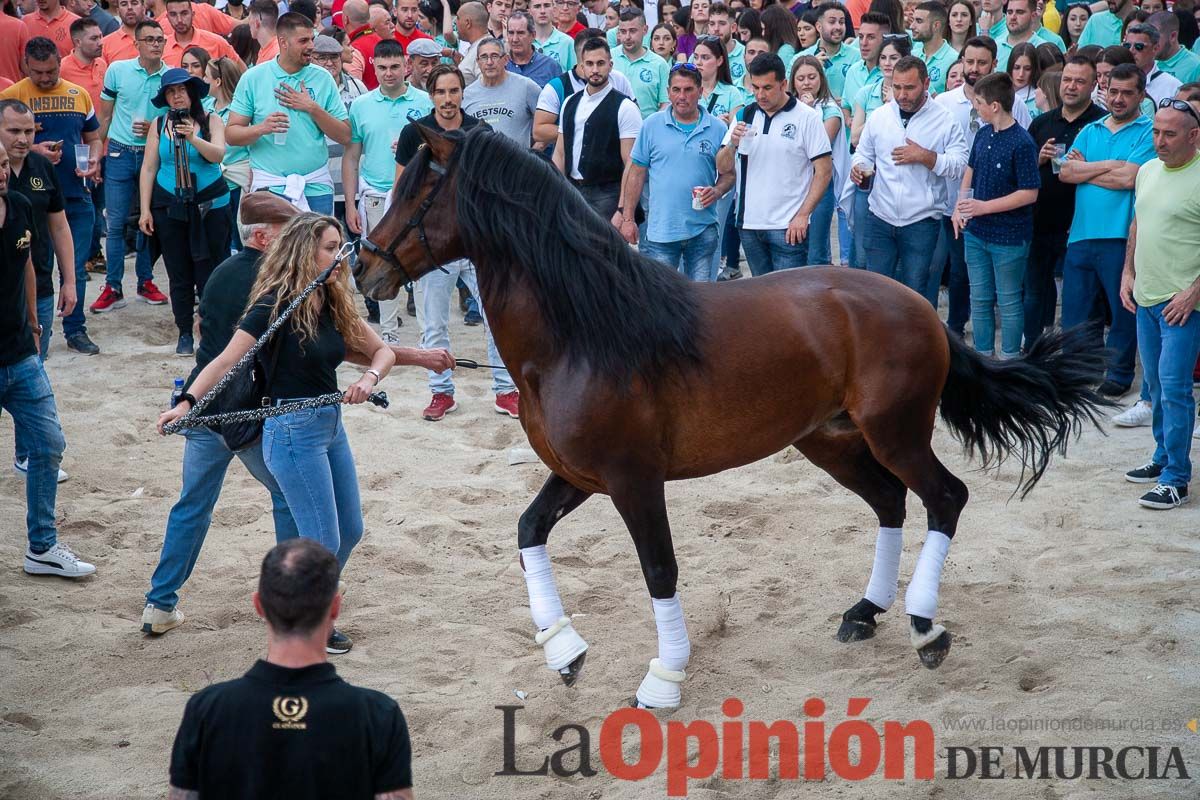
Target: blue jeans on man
x=1093 y=267
x=693 y=257
x=858 y=250
x=25 y=393
x=820 y=229
x=321 y=204
x=902 y=252
x=1169 y=355
x=81 y=216
x=997 y=272
x=438 y=286
x=205 y=460
x=768 y=251
x=123 y=167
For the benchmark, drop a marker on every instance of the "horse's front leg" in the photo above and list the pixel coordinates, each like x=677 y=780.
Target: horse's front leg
x=564 y=648
x=643 y=507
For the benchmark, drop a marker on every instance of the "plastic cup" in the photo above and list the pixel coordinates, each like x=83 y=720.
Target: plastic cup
x=868 y=171
x=83 y=157
x=966 y=194
x=746 y=145
x=1060 y=155
x=280 y=138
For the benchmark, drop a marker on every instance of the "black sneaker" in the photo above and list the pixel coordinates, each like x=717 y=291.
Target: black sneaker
x=338 y=644
x=472 y=318
x=186 y=345
x=80 y=343
x=1146 y=473
x=1113 y=389
x=1164 y=497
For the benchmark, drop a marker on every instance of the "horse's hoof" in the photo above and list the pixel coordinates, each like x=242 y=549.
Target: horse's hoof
x=570 y=673
x=933 y=654
x=855 y=630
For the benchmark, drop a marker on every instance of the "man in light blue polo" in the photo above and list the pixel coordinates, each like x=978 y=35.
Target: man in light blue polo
x=930 y=23
x=721 y=23
x=647 y=71
x=677 y=149
x=835 y=53
x=1104 y=162
x=369 y=163
x=1020 y=21
x=282 y=110
x=865 y=72
x=1105 y=27
x=1172 y=57
x=549 y=40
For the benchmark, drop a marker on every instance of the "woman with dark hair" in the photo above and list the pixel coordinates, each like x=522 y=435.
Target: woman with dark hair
x=779 y=29
x=195 y=61
x=223 y=75
x=685 y=33
x=1049 y=56
x=894 y=10
x=1189 y=30
x=810 y=86
x=718 y=94
x=1048 y=93
x=184 y=199
x=749 y=25
x=962 y=21
x=244 y=44
x=663 y=41
x=1025 y=70
x=1074 y=22
x=806 y=28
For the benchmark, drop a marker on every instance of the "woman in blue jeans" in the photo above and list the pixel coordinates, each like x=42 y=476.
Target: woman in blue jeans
x=307 y=451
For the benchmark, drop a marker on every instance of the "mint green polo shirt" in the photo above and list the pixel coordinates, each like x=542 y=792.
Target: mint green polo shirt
x=613 y=44
x=1184 y=65
x=836 y=68
x=723 y=99
x=130 y=88
x=648 y=74
x=559 y=46
x=375 y=122
x=869 y=97
x=305 y=150
x=938 y=64
x=1103 y=29
x=737 y=61
x=856 y=78
x=1004 y=49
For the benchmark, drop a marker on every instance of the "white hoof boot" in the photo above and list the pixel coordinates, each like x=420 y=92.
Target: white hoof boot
x=660 y=687
x=920 y=640
x=562 y=644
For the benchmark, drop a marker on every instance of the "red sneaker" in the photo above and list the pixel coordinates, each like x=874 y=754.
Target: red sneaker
x=150 y=293
x=509 y=403
x=109 y=300
x=439 y=406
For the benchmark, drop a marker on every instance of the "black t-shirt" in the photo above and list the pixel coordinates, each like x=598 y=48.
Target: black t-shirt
x=224 y=303
x=38 y=183
x=411 y=141
x=1055 y=206
x=291 y=733
x=16 y=239
x=302 y=370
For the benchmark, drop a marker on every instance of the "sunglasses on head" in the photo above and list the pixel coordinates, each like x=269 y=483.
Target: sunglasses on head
x=1179 y=105
x=895 y=37
x=684 y=66
x=1139 y=46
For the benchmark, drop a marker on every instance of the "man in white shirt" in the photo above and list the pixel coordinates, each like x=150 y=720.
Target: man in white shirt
x=557 y=90
x=909 y=149
x=784 y=137
x=596 y=132
x=472 y=22
x=1141 y=40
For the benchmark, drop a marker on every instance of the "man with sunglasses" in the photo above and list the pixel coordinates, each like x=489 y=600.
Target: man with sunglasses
x=1173 y=57
x=1161 y=285
x=1142 y=42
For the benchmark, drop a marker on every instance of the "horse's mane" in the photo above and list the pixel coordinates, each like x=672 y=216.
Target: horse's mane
x=604 y=304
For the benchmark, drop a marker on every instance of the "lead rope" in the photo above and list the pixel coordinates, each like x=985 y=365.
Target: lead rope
x=193 y=418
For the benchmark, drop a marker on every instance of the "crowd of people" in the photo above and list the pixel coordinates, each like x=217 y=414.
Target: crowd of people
x=1002 y=158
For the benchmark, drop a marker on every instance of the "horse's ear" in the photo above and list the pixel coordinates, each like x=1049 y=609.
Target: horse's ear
x=440 y=147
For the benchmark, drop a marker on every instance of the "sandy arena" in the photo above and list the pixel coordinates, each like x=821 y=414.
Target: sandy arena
x=1074 y=604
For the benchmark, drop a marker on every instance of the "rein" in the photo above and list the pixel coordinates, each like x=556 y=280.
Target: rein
x=193 y=418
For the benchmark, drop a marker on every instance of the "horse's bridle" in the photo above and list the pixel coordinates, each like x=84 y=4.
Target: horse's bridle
x=416 y=222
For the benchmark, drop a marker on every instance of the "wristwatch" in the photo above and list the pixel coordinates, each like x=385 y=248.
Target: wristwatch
x=375 y=372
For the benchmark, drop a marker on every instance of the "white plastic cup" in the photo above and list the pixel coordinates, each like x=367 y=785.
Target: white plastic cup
x=1056 y=161
x=280 y=138
x=83 y=157
x=746 y=145
x=139 y=119
x=966 y=194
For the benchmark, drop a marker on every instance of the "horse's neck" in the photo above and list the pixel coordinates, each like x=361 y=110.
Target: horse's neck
x=516 y=322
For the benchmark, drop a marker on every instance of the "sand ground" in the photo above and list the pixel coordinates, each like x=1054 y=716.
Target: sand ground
x=1074 y=604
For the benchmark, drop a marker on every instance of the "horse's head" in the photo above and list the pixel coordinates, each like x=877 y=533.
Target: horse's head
x=419 y=232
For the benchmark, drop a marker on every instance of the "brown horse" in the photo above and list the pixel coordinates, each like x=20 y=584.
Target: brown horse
x=630 y=375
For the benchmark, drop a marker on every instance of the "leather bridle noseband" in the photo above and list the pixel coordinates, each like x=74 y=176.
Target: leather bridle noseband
x=416 y=222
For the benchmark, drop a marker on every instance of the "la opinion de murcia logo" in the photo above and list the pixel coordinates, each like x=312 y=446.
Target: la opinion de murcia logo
x=290 y=712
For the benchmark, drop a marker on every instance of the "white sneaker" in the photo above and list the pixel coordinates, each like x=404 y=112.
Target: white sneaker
x=58 y=560
x=1136 y=416
x=22 y=468
x=157 y=622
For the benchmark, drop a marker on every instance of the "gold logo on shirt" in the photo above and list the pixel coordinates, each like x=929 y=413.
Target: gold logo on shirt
x=36 y=184
x=24 y=242
x=290 y=711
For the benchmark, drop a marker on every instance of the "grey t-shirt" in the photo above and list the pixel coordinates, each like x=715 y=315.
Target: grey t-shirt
x=508 y=107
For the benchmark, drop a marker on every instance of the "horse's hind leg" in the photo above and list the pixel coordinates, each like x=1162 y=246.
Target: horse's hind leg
x=565 y=649
x=839 y=448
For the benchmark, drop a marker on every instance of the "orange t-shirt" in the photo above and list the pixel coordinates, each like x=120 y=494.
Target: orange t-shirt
x=89 y=76
x=208 y=18
x=57 y=30
x=118 y=46
x=214 y=44
x=14 y=35
x=268 y=51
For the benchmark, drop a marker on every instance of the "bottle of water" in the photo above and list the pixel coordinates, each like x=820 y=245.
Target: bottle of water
x=176 y=392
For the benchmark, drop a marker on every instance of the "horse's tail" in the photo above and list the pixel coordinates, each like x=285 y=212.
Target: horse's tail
x=1030 y=405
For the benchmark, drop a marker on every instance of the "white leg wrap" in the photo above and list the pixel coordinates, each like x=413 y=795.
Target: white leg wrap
x=881 y=588
x=674 y=649
x=921 y=599
x=561 y=644
x=544 y=603
x=660 y=687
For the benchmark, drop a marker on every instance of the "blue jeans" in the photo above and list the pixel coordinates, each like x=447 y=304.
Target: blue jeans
x=860 y=212
x=438 y=287
x=723 y=207
x=122 y=167
x=321 y=204
x=845 y=239
x=205 y=460
x=98 y=227
x=768 y=251
x=997 y=272
x=901 y=252
x=25 y=393
x=692 y=257
x=1168 y=356
x=820 y=228
x=81 y=216
x=1093 y=267
x=45 y=312
x=309 y=456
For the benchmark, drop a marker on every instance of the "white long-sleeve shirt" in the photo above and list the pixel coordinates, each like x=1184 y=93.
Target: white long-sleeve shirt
x=906 y=193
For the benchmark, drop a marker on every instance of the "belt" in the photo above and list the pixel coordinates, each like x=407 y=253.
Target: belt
x=136 y=148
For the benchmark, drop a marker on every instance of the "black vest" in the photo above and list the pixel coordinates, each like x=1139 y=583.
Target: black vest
x=600 y=156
